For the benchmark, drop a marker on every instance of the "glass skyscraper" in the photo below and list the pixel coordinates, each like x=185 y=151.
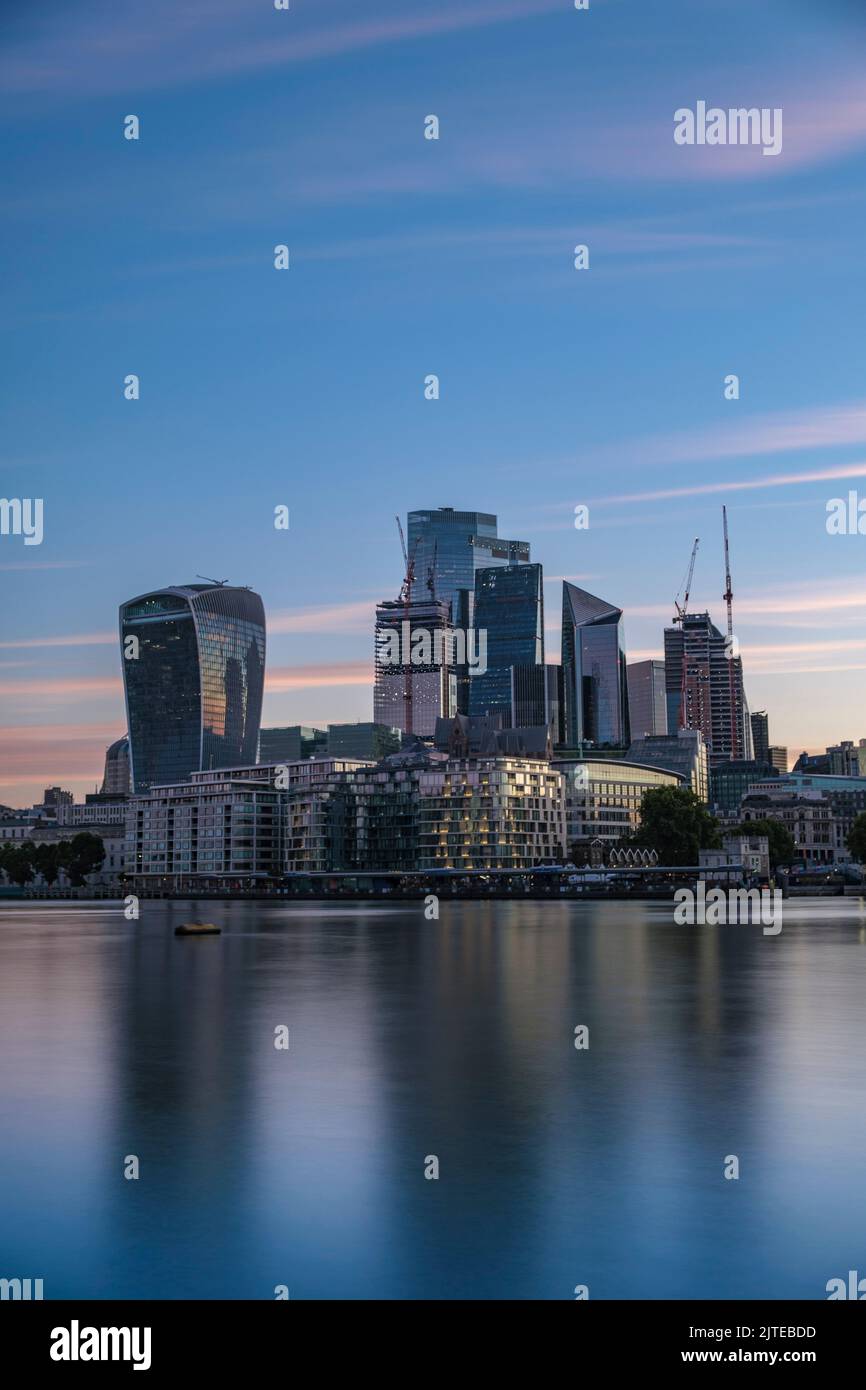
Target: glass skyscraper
x=509 y=618
x=594 y=680
x=449 y=548
x=463 y=542
x=647 y=700
x=193 y=659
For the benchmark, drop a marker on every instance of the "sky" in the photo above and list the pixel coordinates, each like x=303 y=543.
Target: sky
x=305 y=388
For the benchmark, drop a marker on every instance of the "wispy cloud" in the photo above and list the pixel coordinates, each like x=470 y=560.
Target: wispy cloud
x=778 y=432
x=58 y=686
x=39 y=755
x=306 y=677
x=335 y=618
x=81 y=639
x=181 y=41
x=852 y=470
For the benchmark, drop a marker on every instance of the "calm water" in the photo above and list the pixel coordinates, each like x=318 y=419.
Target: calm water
x=411 y=1038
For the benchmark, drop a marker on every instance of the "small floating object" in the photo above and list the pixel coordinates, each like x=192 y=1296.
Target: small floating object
x=197 y=929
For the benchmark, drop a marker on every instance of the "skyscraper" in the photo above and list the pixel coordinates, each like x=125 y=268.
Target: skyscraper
x=415 y=678
x=760 y=735
x=461 y=543
x=509 y=626
x=115 y=781
x=705 y=682
x=595 y=705
x=647 y=707
x=193 y=658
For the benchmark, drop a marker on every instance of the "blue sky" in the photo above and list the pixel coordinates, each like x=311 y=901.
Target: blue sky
x=411 y=257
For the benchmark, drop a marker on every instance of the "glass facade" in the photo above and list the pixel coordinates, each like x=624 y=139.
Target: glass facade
x=509 y=611
x=647 y=703
x=194 y=679
x=603 y=799
x=289 y=744
x=451 y=547
x=594 y=680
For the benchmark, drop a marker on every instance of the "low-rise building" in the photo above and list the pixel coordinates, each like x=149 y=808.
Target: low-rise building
x=808 y=818
x=603 y=796
x=96 y=809
x=682 y=751
x=750 y=852
x=845 y=796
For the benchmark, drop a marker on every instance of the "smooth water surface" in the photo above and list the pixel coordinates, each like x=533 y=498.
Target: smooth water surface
x=411 y=1038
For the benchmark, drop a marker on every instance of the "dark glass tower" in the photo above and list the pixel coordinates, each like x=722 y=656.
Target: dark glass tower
x=449 y=548
x=594 y=680
x=509 y=610
x=193 y=678
x=457 y=545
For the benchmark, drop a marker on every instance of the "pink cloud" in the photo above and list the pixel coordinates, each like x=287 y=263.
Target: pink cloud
x=87 y=639
x=180 y=43
x=304 y=677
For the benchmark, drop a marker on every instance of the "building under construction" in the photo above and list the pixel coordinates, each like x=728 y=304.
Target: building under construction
x=416 y=660
x=704 y=678
x=415 y=680
x=704 y=686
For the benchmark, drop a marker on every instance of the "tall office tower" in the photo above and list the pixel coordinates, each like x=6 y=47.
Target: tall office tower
x=777 y=757
x=115 y=780
x=698 y=667
x=291 y=743
x=449 y=547
x=415 y=679
x=761 y=735
x=595 y=706
x=509 y=632
x=647 y=705
x=193 y=658
x=535 y=698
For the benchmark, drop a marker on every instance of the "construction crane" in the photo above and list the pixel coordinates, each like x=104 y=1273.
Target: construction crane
x=405 y=595
x=728 y=596
x=682 y=609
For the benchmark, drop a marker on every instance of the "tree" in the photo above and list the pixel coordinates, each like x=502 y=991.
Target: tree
x=80 y=856
x=16 y=861
x=46 y=861
x=676 y=824
x=856 y=840
x=782 y=848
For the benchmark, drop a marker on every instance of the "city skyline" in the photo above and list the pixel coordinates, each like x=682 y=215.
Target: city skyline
x=558 y=388
x=362 y=678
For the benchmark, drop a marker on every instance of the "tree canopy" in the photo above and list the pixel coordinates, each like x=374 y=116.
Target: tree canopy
x=676 y=824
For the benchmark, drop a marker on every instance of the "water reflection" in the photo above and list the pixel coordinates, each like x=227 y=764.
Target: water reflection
x=411 y=1038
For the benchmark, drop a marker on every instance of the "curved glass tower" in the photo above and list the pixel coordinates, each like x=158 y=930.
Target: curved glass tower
x=595 y=685
x=193 y=658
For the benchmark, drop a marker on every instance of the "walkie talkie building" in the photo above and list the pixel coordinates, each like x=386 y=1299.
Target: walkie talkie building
x=193 y=658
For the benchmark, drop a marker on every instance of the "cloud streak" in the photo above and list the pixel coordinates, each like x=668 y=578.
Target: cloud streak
x=853 y=470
